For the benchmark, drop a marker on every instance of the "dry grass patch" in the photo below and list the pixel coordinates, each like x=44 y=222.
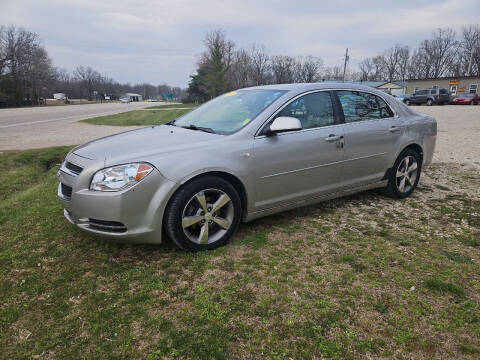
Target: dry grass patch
x=359 y=277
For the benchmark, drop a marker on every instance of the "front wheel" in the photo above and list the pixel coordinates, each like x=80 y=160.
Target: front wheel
x=203 y=214
x=405 y=174
x=407 y=102
x=429 y=102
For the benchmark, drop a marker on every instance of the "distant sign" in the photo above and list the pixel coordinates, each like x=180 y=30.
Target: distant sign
x=453 y=82
x=168 y=96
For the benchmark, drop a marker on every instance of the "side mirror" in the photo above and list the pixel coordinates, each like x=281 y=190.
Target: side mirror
x=283 y=124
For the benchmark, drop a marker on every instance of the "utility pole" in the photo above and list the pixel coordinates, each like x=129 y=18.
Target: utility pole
x=345 y=65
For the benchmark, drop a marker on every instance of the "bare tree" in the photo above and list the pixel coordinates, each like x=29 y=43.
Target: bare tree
x=283 y=69
x=395 y=62
x=309 y=69
x=403 y=60
x=435 y=55
x=469 y=54
x=3 y=48
x=88 y=78
x=333 y=73
x=240 y=69
x=25 y=68
x=259 y=64
x=367 y=69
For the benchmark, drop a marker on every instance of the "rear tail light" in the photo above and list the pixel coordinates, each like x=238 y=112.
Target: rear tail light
x=437 y=96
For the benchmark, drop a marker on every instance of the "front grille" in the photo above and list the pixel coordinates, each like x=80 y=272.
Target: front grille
x=107 y=226
x=73 y=168
x=66 y=191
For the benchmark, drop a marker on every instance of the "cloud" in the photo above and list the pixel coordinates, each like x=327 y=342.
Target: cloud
x=158 y=40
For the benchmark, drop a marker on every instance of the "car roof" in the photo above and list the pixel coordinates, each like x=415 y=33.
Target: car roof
x=302 y=87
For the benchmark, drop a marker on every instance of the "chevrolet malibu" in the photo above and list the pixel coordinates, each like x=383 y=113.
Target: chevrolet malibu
x=243 y=155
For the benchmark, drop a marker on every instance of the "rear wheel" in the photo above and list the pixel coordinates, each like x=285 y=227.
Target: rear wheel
x=203 y=214
x=429 y=102
x=404 y=175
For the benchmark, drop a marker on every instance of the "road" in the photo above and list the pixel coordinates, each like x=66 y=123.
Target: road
x=27 y=128
x=30 y=128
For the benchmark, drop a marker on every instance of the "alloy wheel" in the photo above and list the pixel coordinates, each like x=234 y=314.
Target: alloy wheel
x=407 y=173
x=207 y=216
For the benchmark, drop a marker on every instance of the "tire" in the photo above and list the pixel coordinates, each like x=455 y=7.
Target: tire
x=410 y=179
x=407 y=102
x=471 y=103
x=429 y=102
x=191 y=220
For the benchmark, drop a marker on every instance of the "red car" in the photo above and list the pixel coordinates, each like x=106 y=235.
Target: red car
x=468 y=99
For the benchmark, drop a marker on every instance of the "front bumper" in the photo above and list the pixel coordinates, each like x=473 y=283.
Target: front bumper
x=132 y=215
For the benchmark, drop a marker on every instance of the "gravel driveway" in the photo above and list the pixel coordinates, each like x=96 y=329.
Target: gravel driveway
x=458 y=138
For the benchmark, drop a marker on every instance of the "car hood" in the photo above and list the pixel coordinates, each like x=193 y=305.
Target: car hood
x=141 y=143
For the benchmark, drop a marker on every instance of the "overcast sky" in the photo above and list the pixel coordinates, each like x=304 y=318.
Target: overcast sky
x=157 y=41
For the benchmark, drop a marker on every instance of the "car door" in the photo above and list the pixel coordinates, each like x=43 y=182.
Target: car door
x=296 y=165
x=414 y=99
x=421 y=96
x=371 y=137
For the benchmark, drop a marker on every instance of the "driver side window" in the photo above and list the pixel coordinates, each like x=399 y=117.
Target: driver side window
x=313 y=110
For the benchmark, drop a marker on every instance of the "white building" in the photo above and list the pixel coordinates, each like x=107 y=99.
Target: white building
x=59 y=96
x=134 y=97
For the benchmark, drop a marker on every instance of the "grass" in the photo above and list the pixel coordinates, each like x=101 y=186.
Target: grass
x=137 y=118
x=75 y=102
x=167 y=106
x=346 y=279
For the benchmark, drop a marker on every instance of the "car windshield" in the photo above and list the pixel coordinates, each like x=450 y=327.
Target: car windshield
x=466 y=96
x=229 y=112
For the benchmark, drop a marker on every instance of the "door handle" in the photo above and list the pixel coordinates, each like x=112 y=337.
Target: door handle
x=333 y=137
x=395 y=129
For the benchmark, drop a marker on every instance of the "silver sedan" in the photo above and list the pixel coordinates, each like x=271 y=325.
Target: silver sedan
x=243 y=155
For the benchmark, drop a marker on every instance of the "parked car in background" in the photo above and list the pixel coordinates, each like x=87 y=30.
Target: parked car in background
x=429 y=97
x=125 y=100
x=466 y=99
x=243 y=155
x=403 y=97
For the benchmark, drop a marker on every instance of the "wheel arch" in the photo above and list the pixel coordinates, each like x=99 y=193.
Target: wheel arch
x=229 y=177
x=414 y=146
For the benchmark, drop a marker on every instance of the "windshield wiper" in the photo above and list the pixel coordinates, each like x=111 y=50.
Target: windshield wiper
x=201 y=128
x=170 y=123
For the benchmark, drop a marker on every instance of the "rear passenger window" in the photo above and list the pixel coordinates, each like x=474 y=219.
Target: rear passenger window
x=313 y=110
x=359 y=106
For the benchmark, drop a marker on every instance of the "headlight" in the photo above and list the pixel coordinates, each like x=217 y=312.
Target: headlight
x=119 y=177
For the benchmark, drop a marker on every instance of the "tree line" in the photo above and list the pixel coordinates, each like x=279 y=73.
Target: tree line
x=222 y=66
x=27 y=75
x=446 y=53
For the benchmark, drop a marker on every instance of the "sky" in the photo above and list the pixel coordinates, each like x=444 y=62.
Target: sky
x=159 y=41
